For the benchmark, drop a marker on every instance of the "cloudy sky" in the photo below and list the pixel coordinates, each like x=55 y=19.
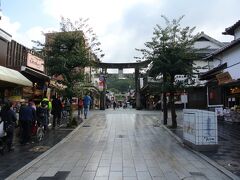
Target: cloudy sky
x=121 y=25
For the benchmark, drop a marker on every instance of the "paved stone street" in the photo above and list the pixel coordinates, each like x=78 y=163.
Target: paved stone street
x=22 y=155
x=120 y=144
x=228 y=154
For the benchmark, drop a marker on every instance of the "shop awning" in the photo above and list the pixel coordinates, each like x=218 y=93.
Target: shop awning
x=10 y=76
x=35 y=73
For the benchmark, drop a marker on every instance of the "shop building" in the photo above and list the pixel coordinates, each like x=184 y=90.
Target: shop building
x=224 y=79
x=30 y=65
x=227 y=61
x=195 y=90
x=11 y=81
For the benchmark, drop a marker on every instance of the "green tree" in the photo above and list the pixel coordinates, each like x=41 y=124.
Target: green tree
x=122 y=85
x=70 y=50
x=171 y=52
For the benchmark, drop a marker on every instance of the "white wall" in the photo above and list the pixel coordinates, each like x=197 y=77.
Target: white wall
x=205 y=44
x=237 y=33
x=231 y=57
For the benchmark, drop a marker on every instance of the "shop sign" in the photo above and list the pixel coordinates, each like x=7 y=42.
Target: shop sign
x=35 y=62
x=235 y=90
x=223 y=78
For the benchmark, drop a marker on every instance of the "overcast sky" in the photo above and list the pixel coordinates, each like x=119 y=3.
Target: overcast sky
x=121 y=25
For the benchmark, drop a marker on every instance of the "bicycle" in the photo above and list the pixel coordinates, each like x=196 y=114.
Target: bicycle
x=38 y=131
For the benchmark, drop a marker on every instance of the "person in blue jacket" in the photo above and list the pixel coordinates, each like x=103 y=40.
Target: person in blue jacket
x=86 y=104
x=27 y=116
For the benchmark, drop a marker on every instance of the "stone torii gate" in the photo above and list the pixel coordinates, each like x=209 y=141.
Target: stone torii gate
x=121 y=66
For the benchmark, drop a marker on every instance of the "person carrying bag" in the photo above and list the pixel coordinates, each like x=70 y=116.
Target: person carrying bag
x=9 y=119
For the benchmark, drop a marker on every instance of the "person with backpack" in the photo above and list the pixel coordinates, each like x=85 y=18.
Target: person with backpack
x=80 y=107
x=9 y=118
x=47 y=106
x=42 y=115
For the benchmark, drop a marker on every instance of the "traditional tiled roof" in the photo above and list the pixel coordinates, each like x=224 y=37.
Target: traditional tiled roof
x=211 y=73
x=230 y=30
x=203 y=35
x=228 y=46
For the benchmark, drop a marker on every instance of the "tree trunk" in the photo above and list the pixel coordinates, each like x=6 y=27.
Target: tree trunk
x=172 y=104
x=173 y=110
x=165 y=110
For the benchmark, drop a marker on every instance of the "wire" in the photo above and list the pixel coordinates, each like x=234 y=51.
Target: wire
x=233 y=65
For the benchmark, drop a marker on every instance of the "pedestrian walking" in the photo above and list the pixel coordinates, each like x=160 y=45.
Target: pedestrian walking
x=47 y=105
x=80 y=107
x=86 y=104
x=42 y=114
x=114 y=105
x=9 y=118
x=56 y=111
x=27 y=116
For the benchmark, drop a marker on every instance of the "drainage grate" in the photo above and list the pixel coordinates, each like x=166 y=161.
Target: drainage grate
x=86 y=125
x=60 y=175
x=120 y=136
x=198 y=174
x=232 y=165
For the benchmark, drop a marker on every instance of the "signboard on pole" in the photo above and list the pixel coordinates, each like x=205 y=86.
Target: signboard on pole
x=184 y=98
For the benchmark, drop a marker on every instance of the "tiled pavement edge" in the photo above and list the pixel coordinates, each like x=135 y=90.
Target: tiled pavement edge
x=29 y=165
x=121 y=129
x=220 y=168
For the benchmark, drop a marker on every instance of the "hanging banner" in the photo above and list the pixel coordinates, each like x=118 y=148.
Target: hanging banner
x=224 y=78
x=101 y=85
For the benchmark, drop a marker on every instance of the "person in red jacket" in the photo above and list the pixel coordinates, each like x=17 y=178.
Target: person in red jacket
x=80 y=107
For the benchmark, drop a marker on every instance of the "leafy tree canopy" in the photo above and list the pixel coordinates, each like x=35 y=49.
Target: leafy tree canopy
x=120 y=85
x=171 y=52
x=171 y=49
x=69 y=51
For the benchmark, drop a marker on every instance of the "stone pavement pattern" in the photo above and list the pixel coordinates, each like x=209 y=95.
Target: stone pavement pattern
x=121 y=144
x=227 y=154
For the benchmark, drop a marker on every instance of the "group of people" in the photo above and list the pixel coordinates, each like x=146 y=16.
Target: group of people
x=30 y=115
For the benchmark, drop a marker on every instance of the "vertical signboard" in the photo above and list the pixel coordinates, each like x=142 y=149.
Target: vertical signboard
x=200 y=127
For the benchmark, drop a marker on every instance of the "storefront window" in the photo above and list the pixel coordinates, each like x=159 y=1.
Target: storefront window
x=233 y=96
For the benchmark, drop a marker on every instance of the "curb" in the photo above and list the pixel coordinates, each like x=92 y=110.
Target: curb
x=213 y=163
x=19 y=172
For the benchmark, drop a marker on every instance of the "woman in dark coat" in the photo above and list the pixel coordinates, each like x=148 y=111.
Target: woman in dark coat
x=9 y=118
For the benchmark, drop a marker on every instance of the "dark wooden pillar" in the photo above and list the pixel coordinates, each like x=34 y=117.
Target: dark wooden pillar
x=103 y=92
x=137 y=89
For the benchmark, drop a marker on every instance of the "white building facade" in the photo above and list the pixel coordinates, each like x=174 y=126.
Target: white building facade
x=228 y=76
